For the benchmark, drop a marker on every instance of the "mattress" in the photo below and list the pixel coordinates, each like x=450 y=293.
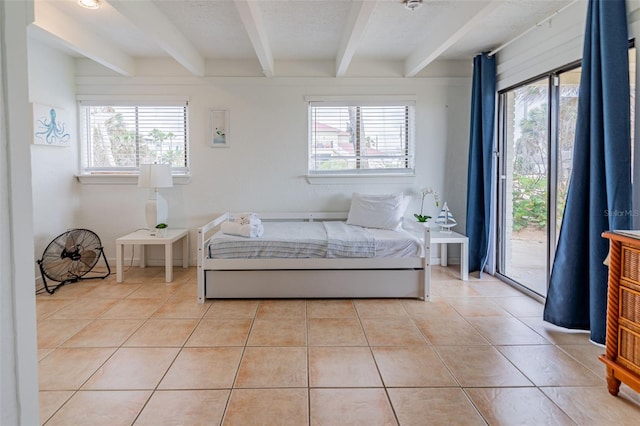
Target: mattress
x=290 y=240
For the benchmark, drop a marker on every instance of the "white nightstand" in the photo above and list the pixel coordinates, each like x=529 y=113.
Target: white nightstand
x=444 y=238
x=144 y=237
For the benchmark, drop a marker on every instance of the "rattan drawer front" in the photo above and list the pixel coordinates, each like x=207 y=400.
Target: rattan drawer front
x=630 y=305
x=631 y=264
x=629 y=349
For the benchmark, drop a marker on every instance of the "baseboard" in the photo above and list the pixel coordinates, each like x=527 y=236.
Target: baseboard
x=450 y=261
x=153 y=261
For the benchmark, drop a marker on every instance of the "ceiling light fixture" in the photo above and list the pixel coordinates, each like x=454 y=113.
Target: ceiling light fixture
x=89 y=4
x=412 y=4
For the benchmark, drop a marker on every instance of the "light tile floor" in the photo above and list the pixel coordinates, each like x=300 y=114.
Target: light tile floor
x=144 y=352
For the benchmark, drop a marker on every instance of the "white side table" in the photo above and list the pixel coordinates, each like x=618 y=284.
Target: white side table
x=444 y=238
x=144 y=237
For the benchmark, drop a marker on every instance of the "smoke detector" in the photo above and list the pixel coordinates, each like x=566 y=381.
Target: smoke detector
x=412 y=4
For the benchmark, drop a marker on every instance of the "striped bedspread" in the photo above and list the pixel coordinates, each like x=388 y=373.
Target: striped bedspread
x=348 y=241
x=328 y=239
x=280 y=240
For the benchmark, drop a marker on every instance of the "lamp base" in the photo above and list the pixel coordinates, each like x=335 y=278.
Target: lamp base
x=156 y=211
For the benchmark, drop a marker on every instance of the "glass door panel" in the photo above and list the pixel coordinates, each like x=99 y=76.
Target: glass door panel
x=568 y=89
x=524 y=185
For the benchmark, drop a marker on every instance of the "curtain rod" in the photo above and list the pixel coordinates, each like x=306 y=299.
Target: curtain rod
x=562 y=9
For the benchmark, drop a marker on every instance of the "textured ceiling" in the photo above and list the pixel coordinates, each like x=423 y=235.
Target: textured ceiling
x=509 y=20
x=295 y=30
x=214 y=27
x=394 y=32
x=304 y=29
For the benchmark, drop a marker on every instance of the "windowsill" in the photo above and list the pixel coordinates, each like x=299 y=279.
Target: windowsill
x=345 y=179
x=123 y=179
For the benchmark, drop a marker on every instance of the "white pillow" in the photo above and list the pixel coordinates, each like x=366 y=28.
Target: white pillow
x=384 y=211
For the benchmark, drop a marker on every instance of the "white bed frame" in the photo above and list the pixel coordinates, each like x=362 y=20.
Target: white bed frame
x=309 y=278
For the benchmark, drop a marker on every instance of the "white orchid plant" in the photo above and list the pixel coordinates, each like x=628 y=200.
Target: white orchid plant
x=424 y=193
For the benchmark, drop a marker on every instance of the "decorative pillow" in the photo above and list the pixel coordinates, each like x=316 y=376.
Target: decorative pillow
x=384 y=211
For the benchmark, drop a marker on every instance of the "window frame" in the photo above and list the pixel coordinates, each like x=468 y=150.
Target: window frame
x=357 y=174
x=124 y=174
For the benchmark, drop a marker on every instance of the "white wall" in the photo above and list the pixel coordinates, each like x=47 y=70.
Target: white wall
x=553 y=44
x=264 y=168
x=18 y=350
x=55 y=189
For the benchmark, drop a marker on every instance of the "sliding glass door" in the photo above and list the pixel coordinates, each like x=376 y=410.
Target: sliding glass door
x=537 y=122
x=524 y=184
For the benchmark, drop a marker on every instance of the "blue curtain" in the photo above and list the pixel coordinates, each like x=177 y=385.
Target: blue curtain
x=483 y=101
x=599 y=195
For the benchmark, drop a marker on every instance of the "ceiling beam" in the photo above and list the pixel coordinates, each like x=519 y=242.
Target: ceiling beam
x=52 y=23
x=447 y=31
x=144 y=15
x=253 y=24
x=356 y=25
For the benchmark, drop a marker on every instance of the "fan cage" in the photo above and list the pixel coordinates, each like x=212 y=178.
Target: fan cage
x=70 y=257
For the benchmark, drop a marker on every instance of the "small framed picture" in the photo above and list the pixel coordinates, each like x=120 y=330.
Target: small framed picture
x=219 y=128
x=51 y=126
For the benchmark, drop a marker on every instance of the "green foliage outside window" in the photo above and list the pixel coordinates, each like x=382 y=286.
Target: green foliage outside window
x=530 y=202
x=123 y=137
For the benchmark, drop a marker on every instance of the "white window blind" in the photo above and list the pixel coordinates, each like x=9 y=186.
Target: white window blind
x=120 y=137
x=361 y=138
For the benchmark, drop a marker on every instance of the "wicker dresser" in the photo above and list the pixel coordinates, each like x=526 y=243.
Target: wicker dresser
x=622 y=356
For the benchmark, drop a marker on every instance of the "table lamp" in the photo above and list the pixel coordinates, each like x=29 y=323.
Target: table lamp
x=155 y=176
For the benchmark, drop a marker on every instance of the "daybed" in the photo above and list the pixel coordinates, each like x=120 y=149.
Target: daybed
x=311 y=277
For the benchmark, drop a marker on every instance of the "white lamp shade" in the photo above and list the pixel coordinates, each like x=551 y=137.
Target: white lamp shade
x=155 y=176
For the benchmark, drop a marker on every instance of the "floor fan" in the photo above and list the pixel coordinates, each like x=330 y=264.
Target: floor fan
x=70 y=257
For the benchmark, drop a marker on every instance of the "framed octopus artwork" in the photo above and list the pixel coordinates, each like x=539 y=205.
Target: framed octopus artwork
x=51 y=126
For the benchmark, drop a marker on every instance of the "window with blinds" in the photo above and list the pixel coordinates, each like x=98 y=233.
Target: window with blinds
x=118 y=138
x=361 y=139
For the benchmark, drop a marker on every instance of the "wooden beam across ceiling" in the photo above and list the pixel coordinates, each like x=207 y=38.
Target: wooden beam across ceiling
x=448 y=30
x=150 y=20
x=359 y=16
x=53 y=23
x=253 y=24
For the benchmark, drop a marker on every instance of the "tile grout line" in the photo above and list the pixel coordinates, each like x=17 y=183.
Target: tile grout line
x=155 y=389
x=235 y=377
x=59 y=346
x=375 y=362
